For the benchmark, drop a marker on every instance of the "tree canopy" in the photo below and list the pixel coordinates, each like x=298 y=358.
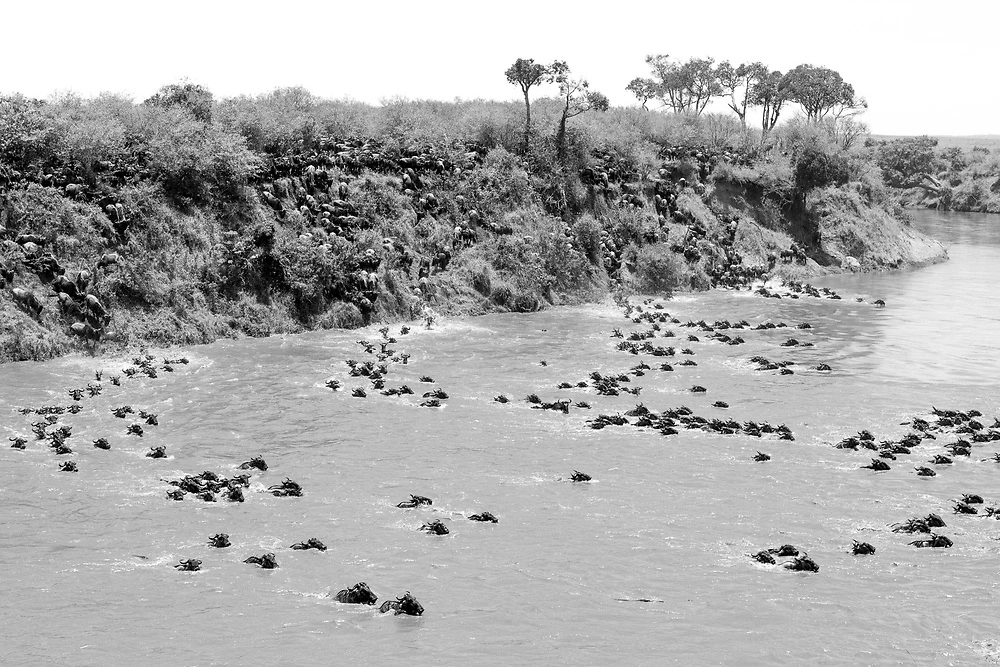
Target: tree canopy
x=577 y=98
x=526 y=73
x=820 y=90
x=197 y=99
x=688 y=87
x=904 y=160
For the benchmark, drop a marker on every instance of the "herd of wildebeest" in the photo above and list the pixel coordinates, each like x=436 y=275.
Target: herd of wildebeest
x=961 y=425
x=318 y=190
x=53 y=427
x=660 y=336
x=326 y=201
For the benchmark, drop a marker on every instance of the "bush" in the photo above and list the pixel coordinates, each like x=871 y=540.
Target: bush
x=658 y=270
x=901 y=160
x=26 y=135
x=628 y=225
x=195 y=163
x=815 y=168
x=196 y=99
x=498 y=184
x=587 y=231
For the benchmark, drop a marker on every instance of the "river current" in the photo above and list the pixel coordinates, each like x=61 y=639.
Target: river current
x=646 y=564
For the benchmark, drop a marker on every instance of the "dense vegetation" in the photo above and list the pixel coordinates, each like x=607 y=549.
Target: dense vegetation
x=185 y=218
x=948 y=178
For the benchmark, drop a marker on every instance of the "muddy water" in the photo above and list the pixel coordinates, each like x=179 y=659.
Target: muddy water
x=647 y=563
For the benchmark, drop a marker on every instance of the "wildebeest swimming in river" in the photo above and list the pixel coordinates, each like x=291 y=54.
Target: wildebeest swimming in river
x=286 y=488
x=311 y=543
x=862 y=549
x=937 y=541
x=404 y=605
x=267 y=561
x=359 y=593
x=219 y=541
x=784 y=550
x=435 y=527
x=919 y=525
x=256 y=462
x=414 y=501
x=803 y=563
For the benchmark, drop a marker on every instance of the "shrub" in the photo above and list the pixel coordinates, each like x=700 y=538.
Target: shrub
x=658 y=270
x=499 y=184
x=26 y=135
x=816 y=168
x=196 y=99
x=195 y=163
x=903 y=159
x=587 y=231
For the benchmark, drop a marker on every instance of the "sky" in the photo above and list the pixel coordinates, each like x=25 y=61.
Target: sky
x=924 y=67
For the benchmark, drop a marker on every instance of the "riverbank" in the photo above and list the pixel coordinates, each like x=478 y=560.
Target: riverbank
x=942 y=173
x=471 y=243
x=179 y=226
x=697 y=500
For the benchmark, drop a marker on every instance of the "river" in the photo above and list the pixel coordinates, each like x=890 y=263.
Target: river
x=645 y=564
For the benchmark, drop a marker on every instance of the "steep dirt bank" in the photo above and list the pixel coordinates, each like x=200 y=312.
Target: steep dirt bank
x=347 y=244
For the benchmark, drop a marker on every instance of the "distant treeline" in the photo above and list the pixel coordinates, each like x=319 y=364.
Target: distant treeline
x=949 y=178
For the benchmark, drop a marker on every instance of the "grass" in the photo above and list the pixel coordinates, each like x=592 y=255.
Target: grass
x=203 y=255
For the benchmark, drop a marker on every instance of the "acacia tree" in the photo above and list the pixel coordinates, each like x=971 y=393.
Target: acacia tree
x=820 y=90
x=738 y=83
x=903 y=161
x=527 y=73
x=25 y=133
x=686 y=88
x=769 y=92
x=643 y=89
x=197 y=99
x=577 y=98
x=700 y=81
x=664 y=74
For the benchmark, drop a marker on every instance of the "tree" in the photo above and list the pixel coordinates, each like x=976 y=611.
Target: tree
x=527 y=73
x=701 y=83
x=686 y=88
x=769 y=92
x=643 y=89
x=26 y=134
x=819 y=91
x=577 y=98
x=817 y=168
x=904 y=160
x=848 y=132
x=738 y=83
x=197 y=99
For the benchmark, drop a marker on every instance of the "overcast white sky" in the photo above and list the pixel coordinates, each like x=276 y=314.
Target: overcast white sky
x=925 y=67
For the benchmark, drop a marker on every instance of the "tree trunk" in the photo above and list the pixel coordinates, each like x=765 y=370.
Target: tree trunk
x=561 y=139
x=527 y=120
